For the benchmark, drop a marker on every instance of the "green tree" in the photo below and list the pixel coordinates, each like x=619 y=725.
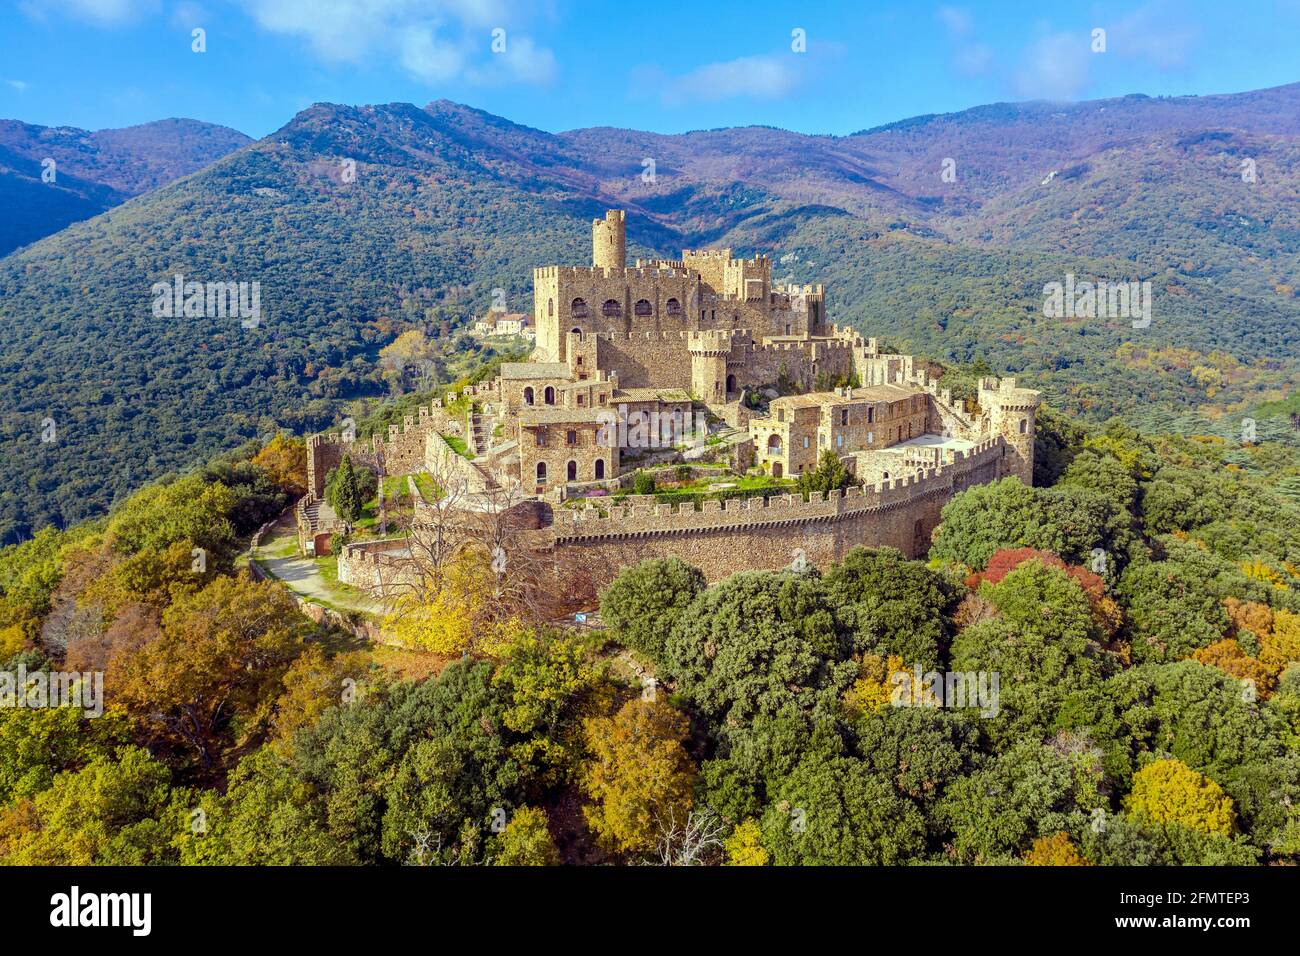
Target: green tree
x=643 y=603
x=829 y=475
x=834 y=811
x=527 y=841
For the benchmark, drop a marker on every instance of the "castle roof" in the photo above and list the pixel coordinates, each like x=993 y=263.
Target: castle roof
x=550 y=415
x=652 y=395
x=534 y=370
x=869 y=393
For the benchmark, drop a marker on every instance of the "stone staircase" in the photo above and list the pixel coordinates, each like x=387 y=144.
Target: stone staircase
x=478 y=436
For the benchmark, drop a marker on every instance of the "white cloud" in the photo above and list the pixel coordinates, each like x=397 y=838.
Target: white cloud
x=956 y=20
x=522 y=61
x=19 y=85
x=433 y=40
x=1156 y=33
x=99 y=12
x=1055 y=67
x=764 y=77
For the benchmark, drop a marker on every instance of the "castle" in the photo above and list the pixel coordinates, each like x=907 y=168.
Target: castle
x=683 y=360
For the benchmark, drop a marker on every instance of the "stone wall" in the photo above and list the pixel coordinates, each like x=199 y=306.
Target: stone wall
x=729 y=536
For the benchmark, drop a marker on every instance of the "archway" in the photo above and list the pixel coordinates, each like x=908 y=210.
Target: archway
x=528 y=395
x=541 y=472
x=776 y=469
x=600 y=468
x=549 y=395
x=571 y=471
x=731 y=384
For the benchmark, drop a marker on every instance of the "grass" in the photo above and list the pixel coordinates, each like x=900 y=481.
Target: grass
x=458 y=445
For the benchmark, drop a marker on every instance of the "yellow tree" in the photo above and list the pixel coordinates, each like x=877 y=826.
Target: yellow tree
x=1169 y=791
x=1055 y=850
x=745 y=845
x=638 y=776
x=284 y=460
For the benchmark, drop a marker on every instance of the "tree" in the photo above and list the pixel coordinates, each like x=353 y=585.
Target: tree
x=209 y=679
x=638 y=774
x=749 y=644
x=891 y=606
x=643 y=483
x=526 y=841
x=188 y=509
x=117 y=810
x=1026 y=792
x=834 y=811
x=1169 y=791
x=269 y=816
x=284 y=459
x=343 y=493
x=643 y=603
x=745 y=845
x=36 y=744
x=829 y=475
x=1042 y=644
x=1055 y=850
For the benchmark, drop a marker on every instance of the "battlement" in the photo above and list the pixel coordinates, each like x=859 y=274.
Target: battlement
x=644 y=516
x=586 y=273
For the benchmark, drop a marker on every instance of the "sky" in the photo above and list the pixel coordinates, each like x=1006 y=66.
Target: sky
x=815 y=67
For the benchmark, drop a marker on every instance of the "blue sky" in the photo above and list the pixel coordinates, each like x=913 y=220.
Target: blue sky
x=563 y=64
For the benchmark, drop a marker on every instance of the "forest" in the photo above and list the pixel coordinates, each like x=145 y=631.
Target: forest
x=1136 y=613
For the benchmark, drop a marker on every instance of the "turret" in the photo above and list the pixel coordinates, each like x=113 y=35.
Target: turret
x=609 y=241
x=1012 y=413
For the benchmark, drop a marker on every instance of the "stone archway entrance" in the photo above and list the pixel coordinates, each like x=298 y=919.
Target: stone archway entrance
x=776 y=469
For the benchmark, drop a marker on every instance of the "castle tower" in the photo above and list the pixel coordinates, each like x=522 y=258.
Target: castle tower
x=1013 y=412
x=709 y=351
x=609 y=241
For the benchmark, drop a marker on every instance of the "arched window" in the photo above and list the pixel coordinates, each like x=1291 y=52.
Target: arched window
x=541 y=472
x=611 y=309
x=528 y=395
x=1024 y=426
x=571 y=470
x=550 y=307
x=673 y=307
x=642 y=307
x=731 y=383
x=576 y=331
x=600 y=468
x=578 y=309
x=549 y=395
x=774 y=444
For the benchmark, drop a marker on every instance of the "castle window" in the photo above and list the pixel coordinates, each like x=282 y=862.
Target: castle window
x=571 y=437
x=805 y=441
x=1024 y=426
x=581 y=401
x=774 y=444
x=541 y=437
x=673 y=307
x=642 y=307
x=541 y=472
x=871 y=438
x=871 y=414
x=550 y=307
x=600 y=468
x=844 y=416
x=549 y=395
x=839 y=441
x=571 y=470
x=611 y=309
x=528 y=395
x=780 y=414
x=579 y=362
x=578 y=309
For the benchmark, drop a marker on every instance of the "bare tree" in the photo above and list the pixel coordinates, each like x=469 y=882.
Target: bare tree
x=695 y=841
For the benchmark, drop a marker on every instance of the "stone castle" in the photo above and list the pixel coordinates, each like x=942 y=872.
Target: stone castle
x=684 y=360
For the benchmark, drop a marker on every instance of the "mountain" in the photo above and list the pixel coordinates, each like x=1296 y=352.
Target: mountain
x=360 y=222
x=93 y=172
